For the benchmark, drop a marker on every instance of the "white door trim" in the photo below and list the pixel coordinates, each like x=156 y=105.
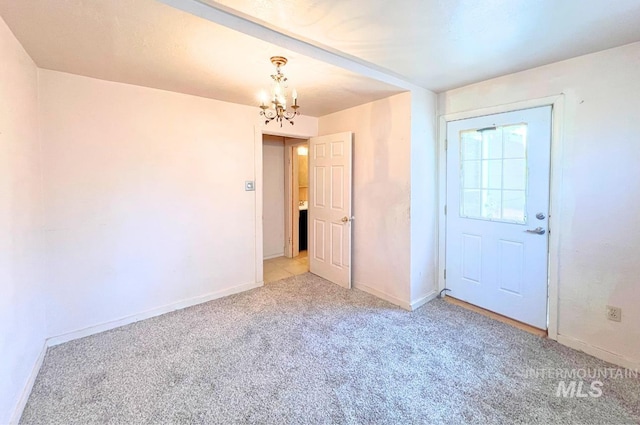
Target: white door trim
x=555 y=200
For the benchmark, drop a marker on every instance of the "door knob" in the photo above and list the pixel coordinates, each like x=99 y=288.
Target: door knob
x=537 y=231
x=346 y=219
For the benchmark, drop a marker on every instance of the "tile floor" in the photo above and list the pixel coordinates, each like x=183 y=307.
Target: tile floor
x=283 y=267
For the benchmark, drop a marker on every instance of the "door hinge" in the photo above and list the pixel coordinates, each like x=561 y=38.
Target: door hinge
x=445 y=273
x=446 y=144
x=445 y=210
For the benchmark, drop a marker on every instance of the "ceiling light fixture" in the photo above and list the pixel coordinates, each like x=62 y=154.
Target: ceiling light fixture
x=276 y=107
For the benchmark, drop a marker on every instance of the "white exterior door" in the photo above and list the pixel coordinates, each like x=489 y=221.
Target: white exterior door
x=330 y=207
x=497 y=212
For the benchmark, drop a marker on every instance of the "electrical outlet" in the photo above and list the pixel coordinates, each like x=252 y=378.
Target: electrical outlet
x=614 y=313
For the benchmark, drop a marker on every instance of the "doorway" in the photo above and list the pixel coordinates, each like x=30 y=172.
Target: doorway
x=497 y=197
x=285 y=203
x=329 y=205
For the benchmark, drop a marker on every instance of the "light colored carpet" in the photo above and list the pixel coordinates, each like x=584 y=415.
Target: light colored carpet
x=305 y=351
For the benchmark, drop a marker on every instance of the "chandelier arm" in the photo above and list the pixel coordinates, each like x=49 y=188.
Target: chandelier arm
x=290 y=115
x=269 y=113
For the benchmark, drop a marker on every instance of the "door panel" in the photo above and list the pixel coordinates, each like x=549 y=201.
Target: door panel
x=330 y=207
x=497 y=182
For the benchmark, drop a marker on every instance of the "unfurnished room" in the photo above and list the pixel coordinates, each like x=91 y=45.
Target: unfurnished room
x=319 y=212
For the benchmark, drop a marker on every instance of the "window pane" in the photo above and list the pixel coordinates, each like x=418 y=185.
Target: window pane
x=471 y=173
x=513 y=205
x=470 y=145
x=491 y=204
x=515 y=174
x=492 y=147
x=492 y=172
x=515 y=137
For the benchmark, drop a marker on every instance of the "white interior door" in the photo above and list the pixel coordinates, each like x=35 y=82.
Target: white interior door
x=330 y=207
x=497 y=212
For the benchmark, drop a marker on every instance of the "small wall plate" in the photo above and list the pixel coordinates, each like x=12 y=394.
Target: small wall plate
x=249 y=185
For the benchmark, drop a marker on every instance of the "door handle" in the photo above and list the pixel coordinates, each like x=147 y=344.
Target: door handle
x=346 y=219
x=537 y=231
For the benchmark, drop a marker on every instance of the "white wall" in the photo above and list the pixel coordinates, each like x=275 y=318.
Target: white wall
x=424 y=197
x=381 y=193
x=22 y=328
x=273 y=195
x=600 y=191
x=305 y=127
x=145 y=199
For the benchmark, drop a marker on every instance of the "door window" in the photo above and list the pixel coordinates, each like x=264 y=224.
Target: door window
x=493 y=173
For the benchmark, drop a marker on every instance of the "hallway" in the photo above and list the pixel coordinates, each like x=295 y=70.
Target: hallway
x=282 y=267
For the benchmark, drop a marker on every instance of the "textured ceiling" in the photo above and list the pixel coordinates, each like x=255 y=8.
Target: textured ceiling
x=442 y=44
x=150 y=44
x=437 y=44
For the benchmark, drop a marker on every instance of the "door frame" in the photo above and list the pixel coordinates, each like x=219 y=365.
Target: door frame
x=291 y=196
x=258 y=131
x=555 y=200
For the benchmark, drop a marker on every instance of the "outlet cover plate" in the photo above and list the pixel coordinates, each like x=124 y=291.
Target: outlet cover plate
x=614 y=313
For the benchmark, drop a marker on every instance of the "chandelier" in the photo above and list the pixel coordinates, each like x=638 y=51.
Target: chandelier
x=275 y=108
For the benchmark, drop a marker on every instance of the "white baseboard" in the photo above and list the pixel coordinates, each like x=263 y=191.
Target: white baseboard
x=600 y=353
x=424 y=299
x=410 y=306
x=28 y=386
x=269 y=257
x=59 y=339
x=379 y=294
x=91 y=330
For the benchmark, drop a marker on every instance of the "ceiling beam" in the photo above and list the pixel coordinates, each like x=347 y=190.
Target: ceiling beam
x=235 y=20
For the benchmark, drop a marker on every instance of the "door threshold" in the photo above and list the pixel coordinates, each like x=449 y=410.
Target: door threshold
x=495 y=316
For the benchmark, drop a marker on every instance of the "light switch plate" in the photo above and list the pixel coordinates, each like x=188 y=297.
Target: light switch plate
x=249 y=185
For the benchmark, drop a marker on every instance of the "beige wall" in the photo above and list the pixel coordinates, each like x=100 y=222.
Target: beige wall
x=381 y=193
x=303 y=177
x=145 y=199
x=22 y=317
x=600 y=190
x=273 y=196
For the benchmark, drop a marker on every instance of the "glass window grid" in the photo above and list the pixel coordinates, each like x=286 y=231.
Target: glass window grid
x=487 y=154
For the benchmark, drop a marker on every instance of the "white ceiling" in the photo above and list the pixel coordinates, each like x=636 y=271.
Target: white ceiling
x=437 y=44
x=443 y=44
x=148 y=43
